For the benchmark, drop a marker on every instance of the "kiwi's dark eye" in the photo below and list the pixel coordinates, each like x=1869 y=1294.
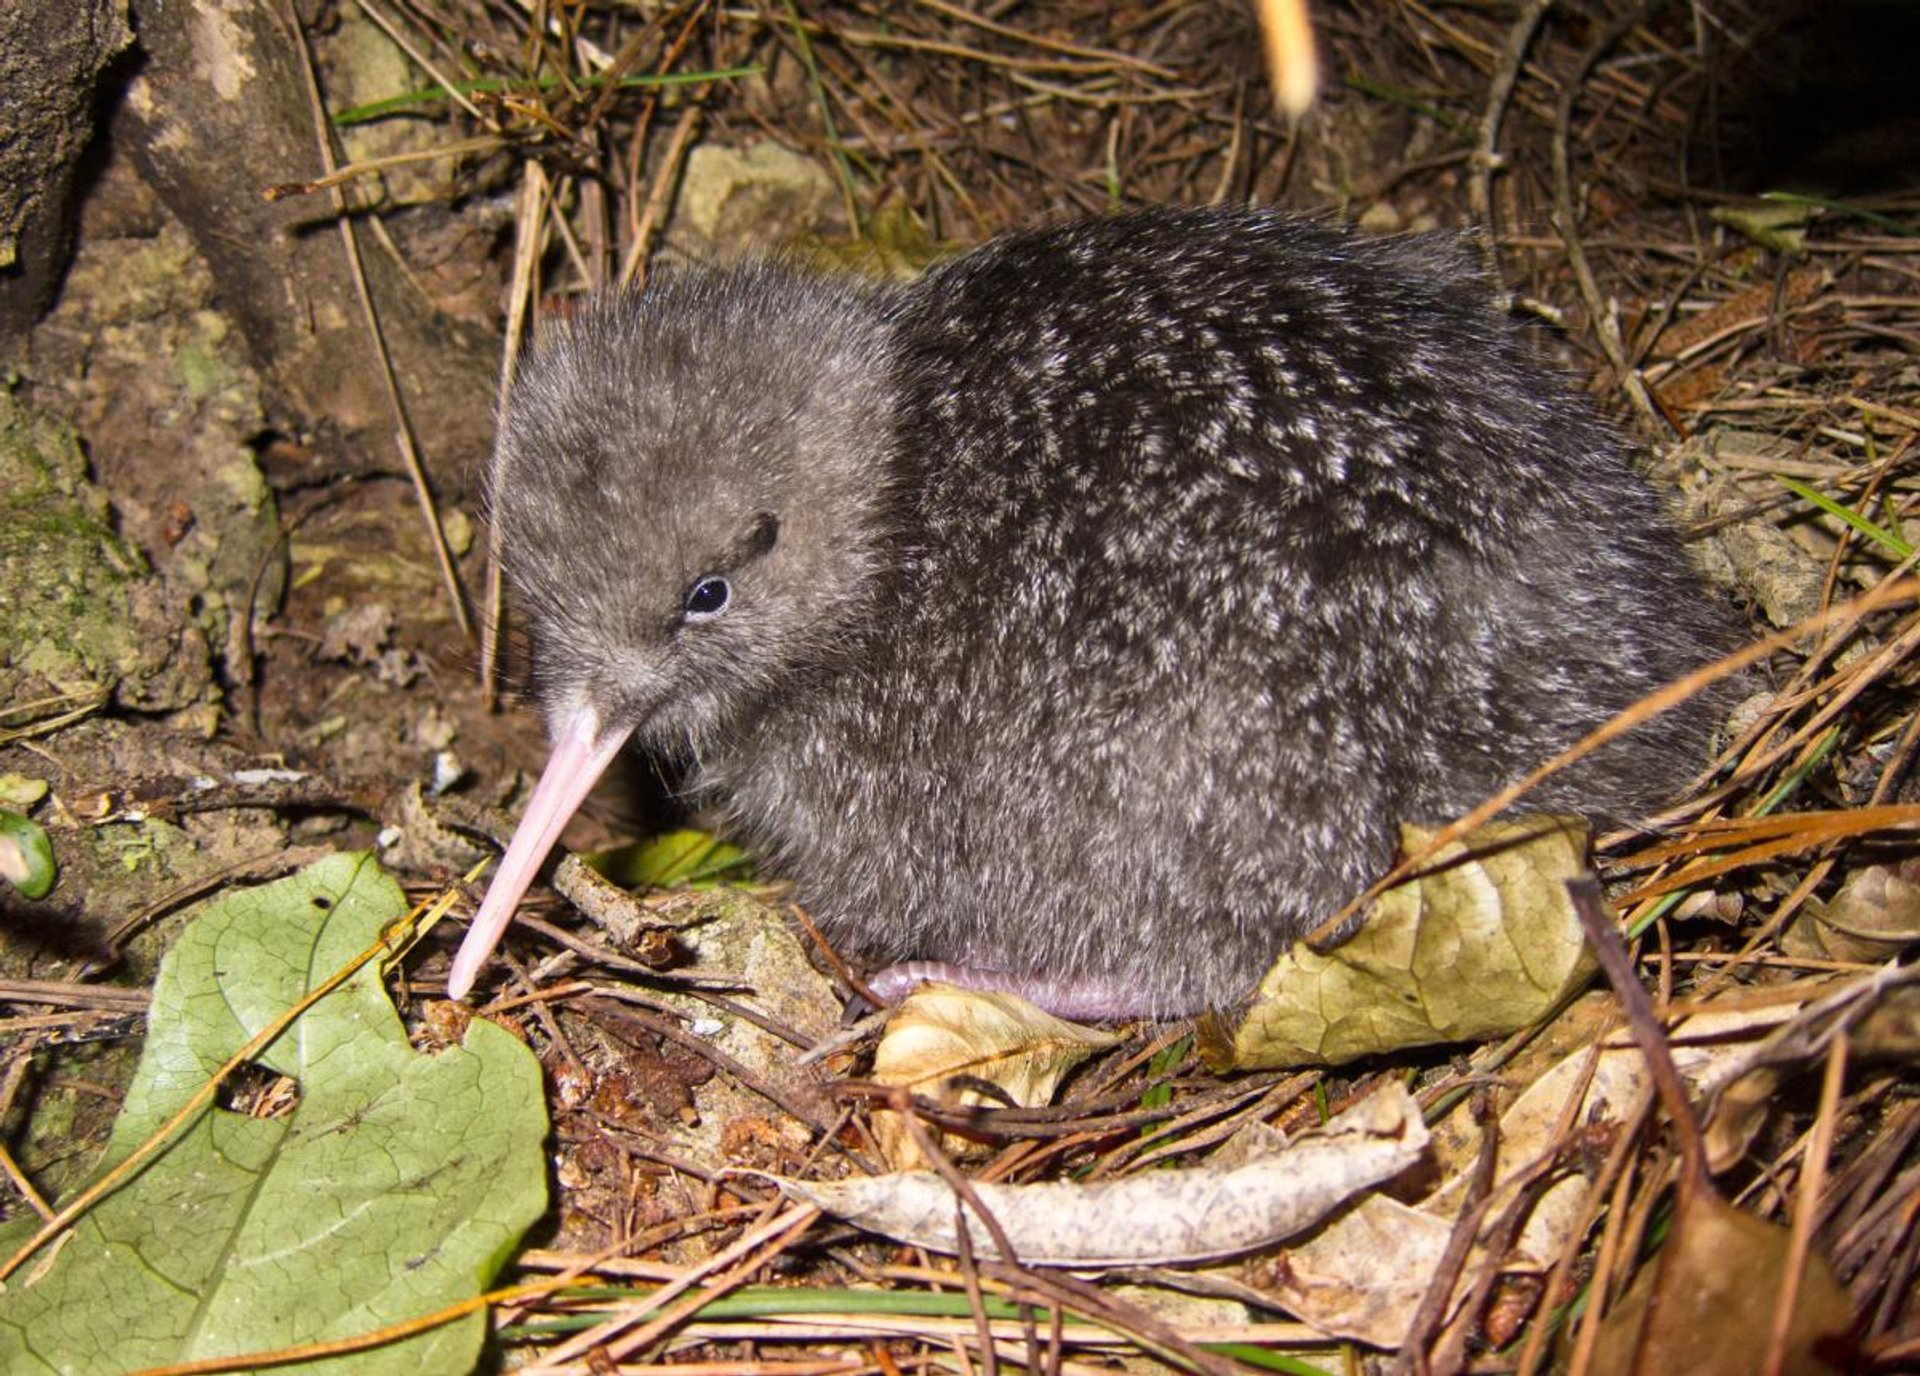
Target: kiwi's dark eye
x=707 y=598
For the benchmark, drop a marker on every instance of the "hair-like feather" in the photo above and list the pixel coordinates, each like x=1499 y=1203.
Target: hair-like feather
x=1128 y=583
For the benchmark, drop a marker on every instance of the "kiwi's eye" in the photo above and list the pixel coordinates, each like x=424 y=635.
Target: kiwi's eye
x=707 y=598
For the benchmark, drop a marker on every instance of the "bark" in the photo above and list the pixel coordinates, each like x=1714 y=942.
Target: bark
x=52 y=55
x=220 y=112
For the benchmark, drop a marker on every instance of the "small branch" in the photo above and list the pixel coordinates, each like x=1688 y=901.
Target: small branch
x=1603 y=938
x=402 y=428
x=528 y=221
x=1486 y=153
x=1567 y=213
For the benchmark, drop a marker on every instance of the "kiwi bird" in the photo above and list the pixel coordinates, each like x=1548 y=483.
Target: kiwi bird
x=1082 y=618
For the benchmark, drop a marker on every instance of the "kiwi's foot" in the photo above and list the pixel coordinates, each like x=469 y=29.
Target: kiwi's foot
x=1085 y=999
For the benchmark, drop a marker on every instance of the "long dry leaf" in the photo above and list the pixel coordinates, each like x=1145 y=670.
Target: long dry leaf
x=1158 y=1217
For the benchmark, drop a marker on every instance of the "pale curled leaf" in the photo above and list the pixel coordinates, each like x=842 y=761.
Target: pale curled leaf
x=396 y=1185
x=1156 y=1217
x=1484 y=942
x=1365 y=1274
x=1723 y=1056
x=942 y=1031
x=943 y=1040
x=1878 y=1012
x=1613 y=1086
x=1779 y=228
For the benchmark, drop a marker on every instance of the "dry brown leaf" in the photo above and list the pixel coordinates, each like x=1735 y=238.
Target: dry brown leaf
x=1874 y=917
x=1156 y=1217
x=1753 y=554
x=1725 y=1059
x=942 y=1034
x=1706 y=1306
x=1484 y=943
x=1890 y=1031
x=1751 y=308
x=1362 y=1277
x=1556 y=1052
x=1878 y=1012
x=1613 y=1085
x=1724 y=1055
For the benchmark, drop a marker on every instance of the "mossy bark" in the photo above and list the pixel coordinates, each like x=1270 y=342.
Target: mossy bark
x=220 y=112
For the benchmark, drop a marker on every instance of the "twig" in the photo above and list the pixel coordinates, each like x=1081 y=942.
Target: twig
x=528 y=222
x=633 y=271
x=745 y=1257
x=1615 y=1174
x=1486 y=154
x=1414 y=1357
x=402 y=428
x=9 y=1089
x=420 y=59
x=336 y=176
x=1603 y=939
x=1806 y=1209
x=1108 y=56
x=1612 y=1246
x=1566 y=210
x=60 y=993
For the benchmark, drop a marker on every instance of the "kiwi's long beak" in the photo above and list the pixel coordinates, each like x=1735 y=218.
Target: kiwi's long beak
x=582 y=750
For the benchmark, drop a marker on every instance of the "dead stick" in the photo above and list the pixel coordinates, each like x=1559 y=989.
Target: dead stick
x=402 y=428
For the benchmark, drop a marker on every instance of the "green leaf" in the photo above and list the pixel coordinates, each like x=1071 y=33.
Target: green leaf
x=21 y=790
x=677 y=859
x=1159 y=1092
x=1779 y=228
x=1847 y=208
x=26 y=856
x=1881 y=536
x=397 y=1185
